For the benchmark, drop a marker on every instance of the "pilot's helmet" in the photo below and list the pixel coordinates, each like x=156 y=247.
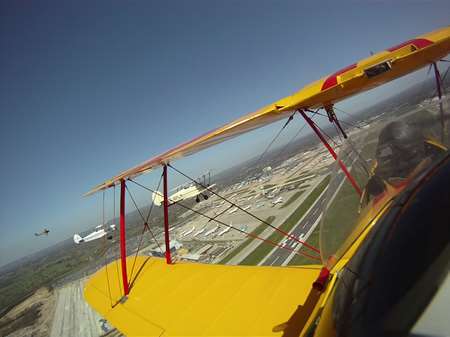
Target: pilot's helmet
x=400 y=149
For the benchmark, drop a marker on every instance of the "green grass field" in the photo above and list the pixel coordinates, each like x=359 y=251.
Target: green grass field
x=264 y=248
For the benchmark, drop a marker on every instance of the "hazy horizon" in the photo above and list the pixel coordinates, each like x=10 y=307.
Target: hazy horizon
x=91 y=89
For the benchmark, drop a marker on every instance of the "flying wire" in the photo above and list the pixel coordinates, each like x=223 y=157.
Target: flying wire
x=290 y=118
x=248 y=213
x=146 y=227
x=232 y=227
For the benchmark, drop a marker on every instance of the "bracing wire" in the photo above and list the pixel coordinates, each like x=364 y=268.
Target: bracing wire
x=338 y=133
x=146 y=226
x=232 y=227
x=348 y=114
x=361 y=162
x=248 y=213
x=297 y=134
x=152 y=203
x=275 y=244
x=327 y=135
x=352 y=146
x=291 y=117
x=217 y=215
x=307 y=162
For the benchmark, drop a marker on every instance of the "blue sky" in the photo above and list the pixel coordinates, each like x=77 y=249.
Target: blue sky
x=88 y=89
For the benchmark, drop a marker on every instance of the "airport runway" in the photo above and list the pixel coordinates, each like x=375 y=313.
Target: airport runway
x=279 y=220
x=279 y=255
x=73 y=316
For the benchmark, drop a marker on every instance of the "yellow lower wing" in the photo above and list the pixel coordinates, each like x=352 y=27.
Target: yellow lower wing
x=199 y=299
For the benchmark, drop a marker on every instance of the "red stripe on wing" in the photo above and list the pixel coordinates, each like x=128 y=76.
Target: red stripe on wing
x=331 y=80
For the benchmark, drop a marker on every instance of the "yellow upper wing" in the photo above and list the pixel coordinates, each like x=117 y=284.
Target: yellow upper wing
x=188 y=299
x=363 y=75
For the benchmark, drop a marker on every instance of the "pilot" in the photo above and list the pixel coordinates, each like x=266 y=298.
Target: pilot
x=402 y=152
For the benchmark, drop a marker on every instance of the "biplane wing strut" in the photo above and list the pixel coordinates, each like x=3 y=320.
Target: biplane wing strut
x=166 y=216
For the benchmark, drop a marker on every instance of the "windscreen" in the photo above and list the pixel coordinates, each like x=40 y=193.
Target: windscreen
x=383 y=154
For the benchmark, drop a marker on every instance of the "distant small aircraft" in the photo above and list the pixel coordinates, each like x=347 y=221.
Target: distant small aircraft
x=188 y=232
x=226 y=230
x=44 y=232
x=98 y=233
x=211 y=231
x=233 y=210
x=200 y=231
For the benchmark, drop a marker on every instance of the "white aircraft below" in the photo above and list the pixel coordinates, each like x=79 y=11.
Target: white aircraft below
x=212 y=230
x=200 y=231
x=277 y=200
x=231 y=211
x=98 y=233
x=223 y=231
x=188 y=232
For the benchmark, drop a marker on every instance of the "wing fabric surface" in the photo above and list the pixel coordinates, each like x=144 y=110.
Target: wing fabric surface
x=358 y=77
x=188 y=299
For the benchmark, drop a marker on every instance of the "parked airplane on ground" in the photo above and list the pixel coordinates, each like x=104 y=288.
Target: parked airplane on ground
x=211 y=230
x=188 y=232
x=160 y=250
x=233 y=210
x=278 y=200
x=223 y=231
x=200 y=231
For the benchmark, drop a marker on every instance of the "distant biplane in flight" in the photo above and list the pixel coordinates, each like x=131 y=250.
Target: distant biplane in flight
x=45 y=232
x=99 y=232
x=183 y=192
x=378 y=273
